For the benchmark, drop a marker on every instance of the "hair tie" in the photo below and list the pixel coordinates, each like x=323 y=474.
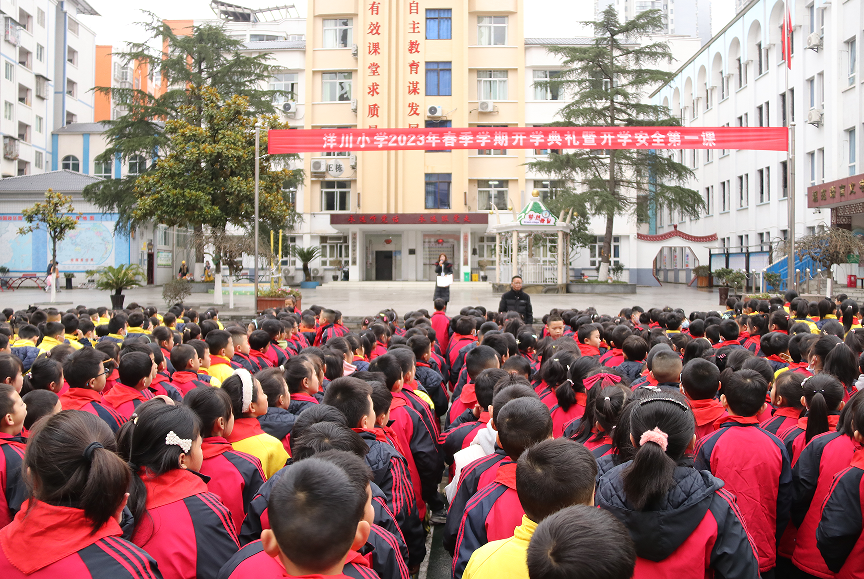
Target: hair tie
x=656 y=436
x=185 y=444
x=246 y=379
x=590 y=381
x=606 y=398
x=88 y=452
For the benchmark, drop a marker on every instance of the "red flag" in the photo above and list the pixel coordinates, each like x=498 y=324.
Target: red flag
x=787 y=38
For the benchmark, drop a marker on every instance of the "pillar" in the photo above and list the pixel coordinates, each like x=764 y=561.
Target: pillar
x=560 y=258
x=497 y=257
x=514 y=253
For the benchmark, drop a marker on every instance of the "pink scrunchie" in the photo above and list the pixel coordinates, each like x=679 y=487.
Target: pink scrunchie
x=656 y=436
x=590 y=381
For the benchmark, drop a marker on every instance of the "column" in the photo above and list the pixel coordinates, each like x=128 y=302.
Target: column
x=560 y=257
x=497 y=257
x=514 y=253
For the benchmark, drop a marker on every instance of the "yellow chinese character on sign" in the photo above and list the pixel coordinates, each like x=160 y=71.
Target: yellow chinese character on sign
x=824 y=193
x=843 y=190
x=832 y=191
x=815 y=195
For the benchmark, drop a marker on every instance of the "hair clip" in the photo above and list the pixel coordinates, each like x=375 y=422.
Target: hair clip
x=554 y=359
x=606 y=398
x=645 y=401
x=185 y=444
x=246 y=379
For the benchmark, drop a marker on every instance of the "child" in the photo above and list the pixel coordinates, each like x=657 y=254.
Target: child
x=571 y=394
x=589 y=341
x=700 y=381
x=136 y=373
x=278 y=421
x=431 y=380
x=666 y=370
x=550 y=476
x=653 y=488
x=554 y=371
x=606 y=400
x=259 y=349
x=615 y=356
x=24 y=348
x=276 y=355
x=459 y=437
x=235 y=477
x=328 y=328
x=774 y=347
x=761 y=477
x=78 y=493
x=635 y=349
x=823 y=399
x=13 y=411
x=495 y=512
x=786 y=394
x=416 y=397
x=441 y=323
x=221 y=349
x=44 y=374
x=112 y=361
x=164 y=337
x=185 y=360
x=518 y=365
x=177 y=520
x=241 y=349
x=85 y=373
x=161 y=384
x=477 y=360
x=39 y=403
x=728 y=335
x=204 y=363
x=302 y=380
x=248 y=402
x=581 y=541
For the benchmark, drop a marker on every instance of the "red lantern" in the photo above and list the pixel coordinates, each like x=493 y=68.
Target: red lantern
x=388 y=241
x=439 y=241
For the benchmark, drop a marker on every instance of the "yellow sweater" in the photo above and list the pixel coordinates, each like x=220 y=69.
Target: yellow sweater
x=73 y=341
x=249 y=438
x=48 y=343
x=504 y=558
x=220 y=372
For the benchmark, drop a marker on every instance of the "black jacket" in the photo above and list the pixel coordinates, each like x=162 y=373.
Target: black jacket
x=520 y=302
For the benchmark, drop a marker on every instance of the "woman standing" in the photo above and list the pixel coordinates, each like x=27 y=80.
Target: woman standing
x=442 y=268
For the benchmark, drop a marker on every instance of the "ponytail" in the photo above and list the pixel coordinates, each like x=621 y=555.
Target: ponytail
x=603 y=407
x=558 y=372
x=823 y=394
x=849 y=309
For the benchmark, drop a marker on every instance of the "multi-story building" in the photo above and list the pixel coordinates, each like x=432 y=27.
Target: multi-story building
x=682 y=18
x=112 y=72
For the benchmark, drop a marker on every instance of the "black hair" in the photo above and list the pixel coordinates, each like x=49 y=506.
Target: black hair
x=217 y=340
x=273 y=384
x=760 y=365
x=210 y=404
x=351 y=397
x=390 y=367
x=774 y=343
x=484 y=385
x=508 y=393
x=635 y=348
x=134 y=367
x=40 y=403
x=42 y=373
x=324 y=436
x=479 y=359
x=233 y=385
x=259 y=340
x=522 y=423
x=576 y=369
x=788 y=385
x=824 y=394
x=744 y=390
x=518 y=364
x=296 y=370
x=695 y=349
x=333 y=368
x=181 y=354
x=837 y=359
x=602 y=407
x=82 y=366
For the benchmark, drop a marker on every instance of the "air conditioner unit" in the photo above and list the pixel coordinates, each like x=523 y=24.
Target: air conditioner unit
x=289 y=107
x=486 y=106
x=353 y=105
x=814 y=41
x=814 y=117
x=355 y=51
x=435 y=111
x=352 y=161
x=318 y=166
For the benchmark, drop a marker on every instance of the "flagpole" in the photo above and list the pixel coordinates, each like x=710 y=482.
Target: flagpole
x=790 y=172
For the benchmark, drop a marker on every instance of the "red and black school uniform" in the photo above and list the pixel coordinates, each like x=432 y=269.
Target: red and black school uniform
x=760 y=479
x=464 y=399
x=491 y=515
x=589 y=351
x=300 y=402
x=784 y=419
x=161 y=386
x=795 y=438
x=839 y=534
x=458 y=369
x=777 y=363
x=279 y=423
x=276 y=354
x=433 y=384
x=252 y=561
x=168 y=365
x=454 y=347
x=91 y=401
x=378 y=349
x=186 y=528
x=12 y=488
x=424 y=460
x=612 y=358
x=600 y=444
x=235 y=477
x=49 y=541
x=244 y=361
x=441 y=325
x=728 y=343
x=561 y=418
x=422 y=407
x=185 y=381
x=327 y=332
x=702 y=530
x=812 y=477
x=707 y=413
x=126 y=399
x=753 y=343
x=112 y=379
x=459 y=437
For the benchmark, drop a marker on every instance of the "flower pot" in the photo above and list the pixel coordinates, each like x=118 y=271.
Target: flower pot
x=309 y=284
x=69 y=283
x=117 y=301
x=263 y=303
x=723 y=292
x=703 y=281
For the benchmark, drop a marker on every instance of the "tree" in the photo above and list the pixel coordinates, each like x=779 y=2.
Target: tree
x=55 y=214
x=829 y=247
x=206 y=57
x=607 y=80
x=305 y=255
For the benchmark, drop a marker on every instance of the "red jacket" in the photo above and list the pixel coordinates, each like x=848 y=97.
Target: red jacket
x=456 y=343
x=12 y=488
x=235 y=477
x=126 y=399
x=589 y=351
x=252 y=561
x=184 y=381
x=466 y=401
x=561 y=418
x=52 y=542
x=424 y=461
x=91 y=401
x=378 y=349
x=612 y=358
x=455 y=439
x=783 y=419
x=839 y=536
x=441 y=325
x=707 y=413
x=794 y=438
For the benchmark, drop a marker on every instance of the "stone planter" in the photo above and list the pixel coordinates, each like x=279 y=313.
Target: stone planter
x=202 y=287
x=601 y=288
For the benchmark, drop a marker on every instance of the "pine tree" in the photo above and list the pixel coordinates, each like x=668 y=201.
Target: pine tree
x=606 y=81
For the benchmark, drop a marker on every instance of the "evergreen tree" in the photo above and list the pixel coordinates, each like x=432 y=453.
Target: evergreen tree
x=606 y=81
x=57 y=215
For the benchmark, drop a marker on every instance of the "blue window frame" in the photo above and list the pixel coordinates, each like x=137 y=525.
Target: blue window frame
x=439 y=125
x=438 y=79
x=438 y=190
x=439 y=24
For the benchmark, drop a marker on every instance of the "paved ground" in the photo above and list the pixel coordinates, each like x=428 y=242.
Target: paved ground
x=363 y=300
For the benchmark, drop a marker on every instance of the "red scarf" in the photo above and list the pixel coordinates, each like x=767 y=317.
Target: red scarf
x=706 y=411
x=245 y=428
x=304 y=397
x=214 y=446
x=121 y=394
x=216 y=360
x=172 y=486
x=262 y=359
x=506 y=475
x=742 y=420
x=589 y=350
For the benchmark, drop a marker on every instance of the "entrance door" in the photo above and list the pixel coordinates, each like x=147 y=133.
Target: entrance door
x=383 y=266
x=150 y=280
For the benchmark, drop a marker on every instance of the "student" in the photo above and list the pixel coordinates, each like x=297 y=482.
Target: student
x=431 y=381
x=615 y=356
x=183 y=526
x=729 y=331
x=259 y=349
x=757 y=326
x=657 y=484
x=477 y=360
x=606 y=400
x=581 y=541
x=571 y=395
x=666 y=369
x=495 y=511
x=164 y=337
x=235 y=477
x=441 y=323
x=248 y=402
x=111 y=350
x=589 y=341
x=221 y=347
x=823 y=399
x=700 y=381
x=458 y=437
x=302 y=380
x=830 y=355
x=39 y=403
x=464 y=333
x=204 y=363
x=13 y=411
x=550 y=476
x=185 y=360
x=44 y=374
x=54 y=336
x=117 y=327
x=328 y=327
x=761 y=477
x=241 y=349
x=161 y=384
x=24 y=347
x=275 y=354
x=278 y=421
x=786 y=395
x=85 y=373
x=634 y=349
x=78 y=493
x=136 y=373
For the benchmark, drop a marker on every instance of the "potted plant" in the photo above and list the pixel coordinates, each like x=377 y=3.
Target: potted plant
x=272 y=298
x=773 y=281
x=737 y=279
x=69 y=276
x=116 y=279
x=703 y=275
x=483 y=264
x=721 y=275
x=306 y=255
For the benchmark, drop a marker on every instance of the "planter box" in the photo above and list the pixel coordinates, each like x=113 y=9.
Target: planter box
x=204 y=287
x=309 y=284
x=601 y=288
x=263 y=303
x=703 y=281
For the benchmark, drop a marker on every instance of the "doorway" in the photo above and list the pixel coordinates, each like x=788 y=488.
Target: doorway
x=383 y=266
x=150 y=274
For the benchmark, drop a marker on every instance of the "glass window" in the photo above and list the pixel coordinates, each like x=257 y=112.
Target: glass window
x=338 y=33
x=40 y=53
x=709 y=200
x=491 y=193
x=492 y=85
x=8 y=111
x=438 y=190
x=438 y=79
x=286 y=82
x=334 y=253
x=439 y=24
x=595 y=251
x=40 y=17
x=336 y=86
x=102 y=169
x=439 y=125
x=851 y=47
x=335 y=195
x=543 y=90
x=73 y=27
x=38 y=159
x=71 y=88
x=491 y=30
x=137 y=165
x=492 y=151
x=8 y=71
x=548 y=190
x=850 y=136
x=70 y=163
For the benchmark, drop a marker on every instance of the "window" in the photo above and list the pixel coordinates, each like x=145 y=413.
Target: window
x=783 y=121
x=709 y=155
x=438 y=190
x=9 y=71
x=334 y=253
x=102 y=169
x=741 y=69
x=38 y=159
x=497 y=152
x=707 y=92
x=548 y=189
x=760 y=116
x=709 y=200
x=40 y=53
x=852 y=60
x=724 y=196
x=760 y=64
x=25 y=58
x=39 y=124
x=137 y=164
x=439 y=24
x=72 y=56
x=784 y=191
x=820 y=88
x=23 y=132
x=491 y=30
x=742 y=120
x=335 y=195
x=71 y=118
x=595 y=251
x=40 y=17
x=8 y=110
x=764 y=177
x=850 y=137
x=492 y=85
x=486 y=247
x=338 y=33
x=287 y=83
x=491 y=193
x=811 y=163
x=811 y=91
x=24 y=95
x=439 y=125
x=336 y=87
x=438 y=79
x=820 y=161
x=73 y=27
x=70 y=163
x=724 y=87
x=163 y=235
x=71 y=88
x=743 y=191
x=544 y=90
x=792 y=105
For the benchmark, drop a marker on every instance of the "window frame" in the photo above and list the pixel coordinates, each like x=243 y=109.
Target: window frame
x=546 y=91
x=492 y=25
x=438 y=19
x=491 y=188
x=335 y=30
x=335 y=187
x=101 y=165
x=492 y=85
x=439 y=72
x=347 y=80
x=71 y=163
x=438 y=182
x=289 y=86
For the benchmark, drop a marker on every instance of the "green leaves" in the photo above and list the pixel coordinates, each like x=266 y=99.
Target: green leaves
x=55 y=215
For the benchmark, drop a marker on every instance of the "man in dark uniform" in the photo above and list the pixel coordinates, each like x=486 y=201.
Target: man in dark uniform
x=516 y=300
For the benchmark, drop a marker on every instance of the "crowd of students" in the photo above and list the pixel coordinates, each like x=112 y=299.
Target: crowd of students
x=646 y=444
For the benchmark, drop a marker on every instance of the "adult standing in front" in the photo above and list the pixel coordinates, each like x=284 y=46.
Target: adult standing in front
x=517 y=300
x=443 y=268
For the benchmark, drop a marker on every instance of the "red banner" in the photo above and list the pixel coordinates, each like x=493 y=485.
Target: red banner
x=407 y=218
x=314 y=140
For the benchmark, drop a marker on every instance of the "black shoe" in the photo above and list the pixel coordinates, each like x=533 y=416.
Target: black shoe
x=438 y=517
